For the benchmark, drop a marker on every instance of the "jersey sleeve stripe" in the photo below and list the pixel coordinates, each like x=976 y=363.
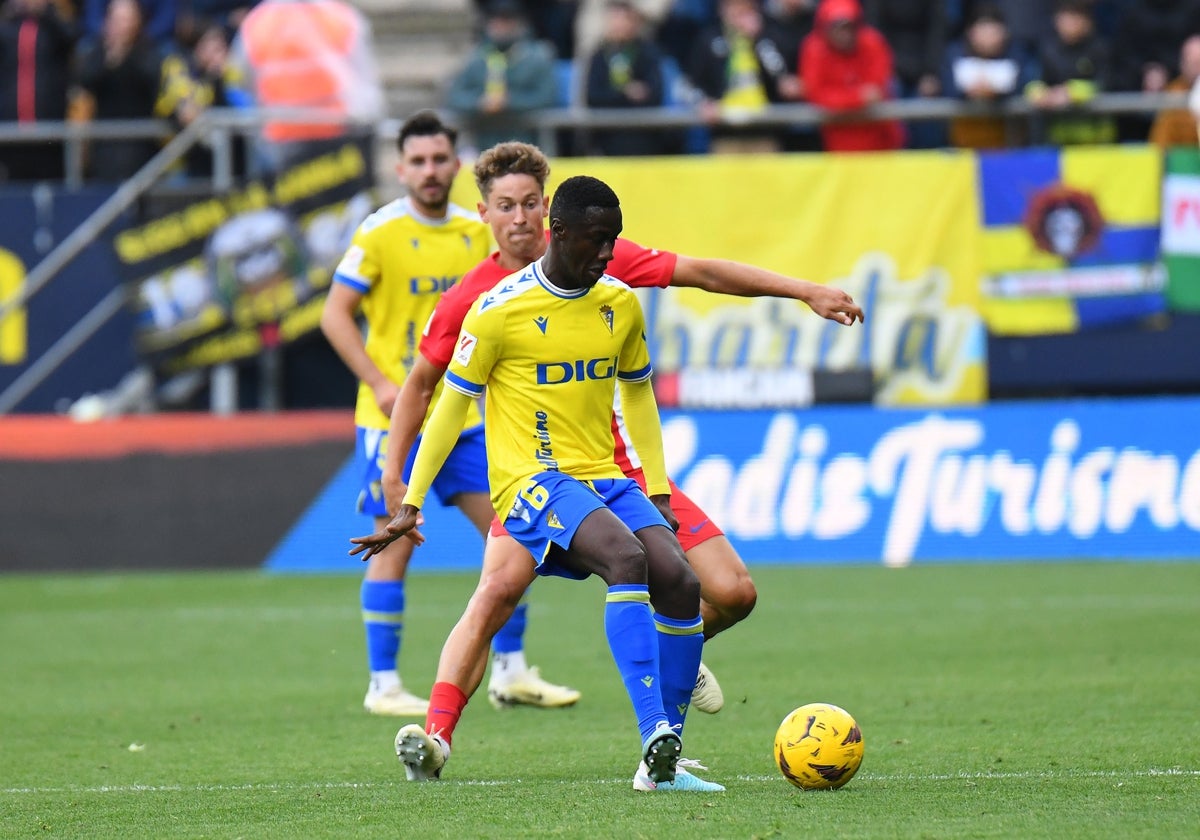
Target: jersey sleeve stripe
x=635 y=375
x=352 y=282
x=463 y=386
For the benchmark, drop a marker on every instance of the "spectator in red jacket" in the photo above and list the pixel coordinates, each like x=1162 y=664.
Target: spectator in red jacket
x=847 y=65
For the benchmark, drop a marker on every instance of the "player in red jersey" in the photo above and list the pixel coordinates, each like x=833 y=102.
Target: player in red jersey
x=511 y=179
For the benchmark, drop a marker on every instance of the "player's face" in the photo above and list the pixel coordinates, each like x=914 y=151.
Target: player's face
x=516 y=209
x=427 y=168
x=588 y=246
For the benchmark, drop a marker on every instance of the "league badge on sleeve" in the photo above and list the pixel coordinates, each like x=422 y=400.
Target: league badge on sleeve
x=465 y=348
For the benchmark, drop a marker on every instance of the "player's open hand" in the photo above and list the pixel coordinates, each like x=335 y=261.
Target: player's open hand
x=834 y=304
x=663 y=502
x=403 y=524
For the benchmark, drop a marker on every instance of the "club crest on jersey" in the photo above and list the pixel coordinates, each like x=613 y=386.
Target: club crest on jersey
x=606 y=312
x=541 y=322
x=465 y=347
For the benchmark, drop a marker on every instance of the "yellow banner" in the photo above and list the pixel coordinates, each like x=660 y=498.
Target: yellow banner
x=13 y=340
x=899 y=232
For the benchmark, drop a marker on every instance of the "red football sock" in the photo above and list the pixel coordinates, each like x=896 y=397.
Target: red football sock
x=446 y=703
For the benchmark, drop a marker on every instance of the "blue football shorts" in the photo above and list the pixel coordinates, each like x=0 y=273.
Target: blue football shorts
x=465 y=470
x=551 y=506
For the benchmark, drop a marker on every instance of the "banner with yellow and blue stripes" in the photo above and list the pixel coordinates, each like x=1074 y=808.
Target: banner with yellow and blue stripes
x=1070 y=238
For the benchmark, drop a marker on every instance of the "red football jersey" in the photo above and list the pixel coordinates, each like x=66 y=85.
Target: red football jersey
x=632 y=264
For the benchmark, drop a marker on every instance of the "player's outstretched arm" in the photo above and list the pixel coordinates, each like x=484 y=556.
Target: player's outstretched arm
x=735 y=278
x=408 y=413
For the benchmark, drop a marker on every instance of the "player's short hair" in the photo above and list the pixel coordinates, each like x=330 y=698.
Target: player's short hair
x=1078 y=7
x=510 y=158
x=576 y=195
x=425 y=123
x=986 y=12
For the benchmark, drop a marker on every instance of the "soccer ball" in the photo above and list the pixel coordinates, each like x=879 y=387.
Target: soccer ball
x=818 y=747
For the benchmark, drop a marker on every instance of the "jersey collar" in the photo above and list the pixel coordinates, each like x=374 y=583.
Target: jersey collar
x=550 y=287
x=432 y=221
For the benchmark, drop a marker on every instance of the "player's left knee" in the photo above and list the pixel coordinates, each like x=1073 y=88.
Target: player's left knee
x=735 y=599
x=500 y=593
x=745 y=598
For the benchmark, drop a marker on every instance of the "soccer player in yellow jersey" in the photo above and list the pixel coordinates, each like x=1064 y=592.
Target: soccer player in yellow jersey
x=400 y=261
x=545 y=346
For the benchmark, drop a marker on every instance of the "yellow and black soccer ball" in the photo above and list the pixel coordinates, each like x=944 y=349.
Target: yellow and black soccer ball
x=818 y=747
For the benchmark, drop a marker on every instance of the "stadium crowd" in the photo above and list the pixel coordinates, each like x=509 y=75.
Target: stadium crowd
x=131 y=59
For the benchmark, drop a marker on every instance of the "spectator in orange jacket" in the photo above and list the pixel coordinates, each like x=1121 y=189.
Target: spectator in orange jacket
x=312 y=55
x=1177 y=126
x=847 y=65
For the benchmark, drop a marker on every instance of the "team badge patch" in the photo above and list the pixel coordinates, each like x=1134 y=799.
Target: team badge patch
x=351 y=263
x=465 y=348
x=606 y=312
x=553 y=521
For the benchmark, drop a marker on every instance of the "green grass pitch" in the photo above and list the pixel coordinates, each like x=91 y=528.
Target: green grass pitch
x=1016 y=700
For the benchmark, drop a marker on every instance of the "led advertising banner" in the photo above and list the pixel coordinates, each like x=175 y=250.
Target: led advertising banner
x=1086 y=479
x=1024 y=481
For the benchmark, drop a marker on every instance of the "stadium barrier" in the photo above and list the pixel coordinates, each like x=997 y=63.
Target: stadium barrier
x=173 y=491
x=218 y=127
x=1054 y=480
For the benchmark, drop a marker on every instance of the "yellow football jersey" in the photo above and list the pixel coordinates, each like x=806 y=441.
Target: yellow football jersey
x=402 y=262
x=548 y=360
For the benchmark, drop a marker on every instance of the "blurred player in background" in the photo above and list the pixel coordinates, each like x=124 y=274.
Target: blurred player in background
x=401 y=259
x=511 y=178
x=544 y=346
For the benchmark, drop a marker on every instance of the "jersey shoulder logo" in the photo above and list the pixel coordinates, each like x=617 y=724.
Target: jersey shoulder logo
x=351 y=263
x=541 y=322
x=465 y=348
x=606 y=313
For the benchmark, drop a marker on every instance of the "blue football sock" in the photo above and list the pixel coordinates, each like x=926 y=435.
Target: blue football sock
x=511 y=637
x=383 y=618
x=680 y=644
x=634 y=645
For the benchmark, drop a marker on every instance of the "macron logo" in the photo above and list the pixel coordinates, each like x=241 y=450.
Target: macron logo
x=541 y=322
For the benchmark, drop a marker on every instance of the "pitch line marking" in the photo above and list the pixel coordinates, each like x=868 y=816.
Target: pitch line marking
x=871 y=777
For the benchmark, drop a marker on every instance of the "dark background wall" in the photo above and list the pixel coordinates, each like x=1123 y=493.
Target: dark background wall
x=151 y=493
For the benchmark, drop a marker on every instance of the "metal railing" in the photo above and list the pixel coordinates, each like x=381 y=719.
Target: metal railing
x=223 y=124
